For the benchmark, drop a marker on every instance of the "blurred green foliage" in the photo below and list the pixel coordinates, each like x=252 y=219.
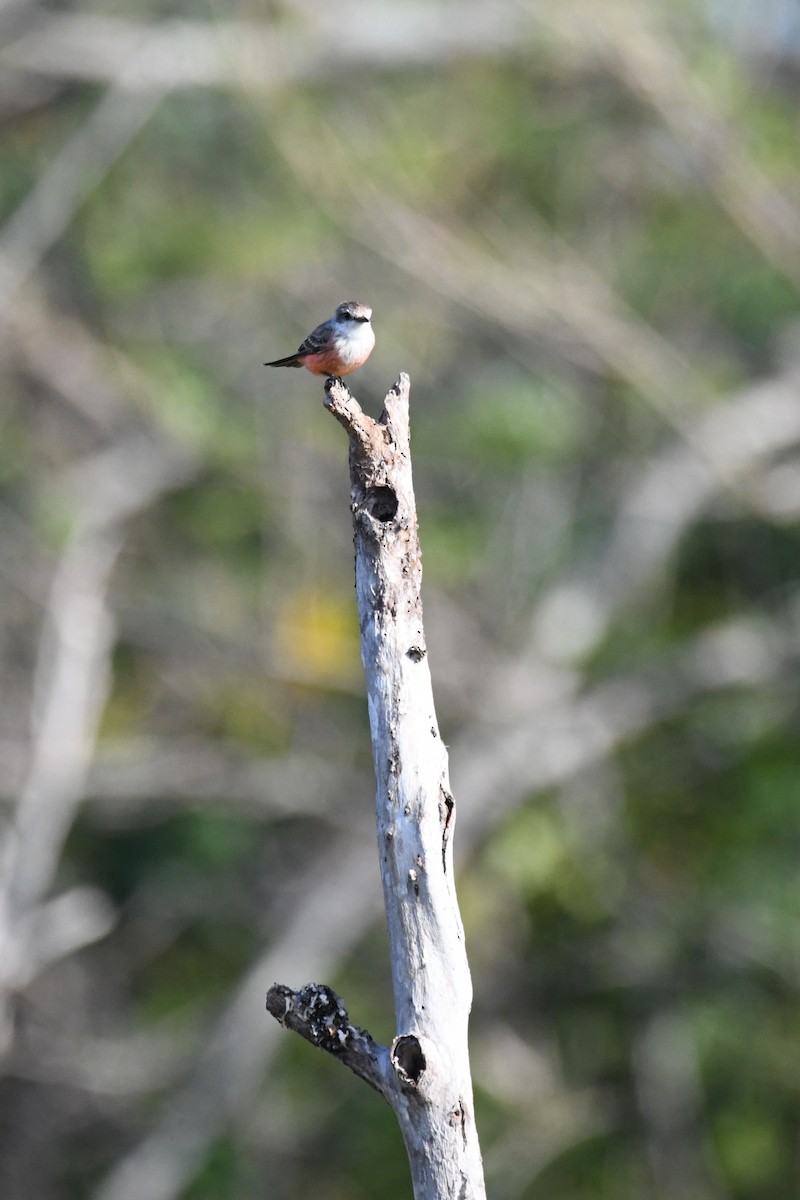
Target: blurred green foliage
x=580 y=239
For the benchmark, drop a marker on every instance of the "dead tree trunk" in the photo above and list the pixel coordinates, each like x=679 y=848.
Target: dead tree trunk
x=425 y=1074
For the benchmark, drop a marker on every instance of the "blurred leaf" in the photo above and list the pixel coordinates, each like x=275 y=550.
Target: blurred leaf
x=316 y=633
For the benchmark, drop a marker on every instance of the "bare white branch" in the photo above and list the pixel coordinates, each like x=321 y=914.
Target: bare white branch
x=170 y=55
x=73 y=676
x=69 y=178
x=426 y=1078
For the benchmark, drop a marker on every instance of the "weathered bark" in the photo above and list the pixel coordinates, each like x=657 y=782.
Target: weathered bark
x=425 y=1073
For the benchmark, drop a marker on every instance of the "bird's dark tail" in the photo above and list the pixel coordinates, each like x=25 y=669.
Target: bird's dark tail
x=291 y=360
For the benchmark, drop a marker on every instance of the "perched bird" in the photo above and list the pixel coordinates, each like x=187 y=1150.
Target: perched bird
x=338 y=346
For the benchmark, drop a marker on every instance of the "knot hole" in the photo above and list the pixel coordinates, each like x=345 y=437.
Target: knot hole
x=408 y=1059
x=381 y=503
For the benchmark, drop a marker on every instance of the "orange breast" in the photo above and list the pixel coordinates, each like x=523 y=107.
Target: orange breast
x=330 y=363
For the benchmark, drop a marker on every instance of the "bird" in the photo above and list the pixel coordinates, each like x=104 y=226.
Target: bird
x=338 y=346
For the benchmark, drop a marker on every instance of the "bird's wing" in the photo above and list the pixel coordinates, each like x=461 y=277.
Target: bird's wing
x=317 y=340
